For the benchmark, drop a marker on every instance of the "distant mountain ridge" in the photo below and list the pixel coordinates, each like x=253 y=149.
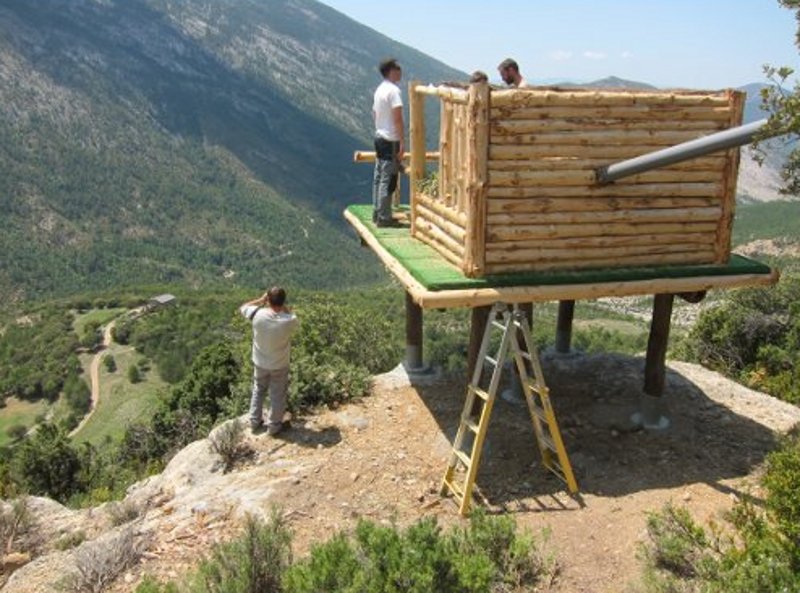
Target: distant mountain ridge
x=184 y=141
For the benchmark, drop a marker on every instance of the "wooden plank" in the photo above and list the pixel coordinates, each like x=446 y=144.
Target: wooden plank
x=532 y=152
x=611 y=190
x=457 y=218
x=441 y=249
x=682 y=258
x=602 y=137
x=446 y=93
x=417 y=147
x=477 y=148
x=454 y=230
x=601 y=242
x=476 y=297
x=646 y=113
x=593 y=204
x=531 y=258
x=547 y=231
x=730 y=176
x=586 y=177
x=635 y=216
x=625 y=98
x=560 y=163
x=533 y=126
x=435 y=232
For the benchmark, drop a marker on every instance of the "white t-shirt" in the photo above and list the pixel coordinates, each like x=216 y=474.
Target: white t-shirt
x=387 y=97
x=272 y=333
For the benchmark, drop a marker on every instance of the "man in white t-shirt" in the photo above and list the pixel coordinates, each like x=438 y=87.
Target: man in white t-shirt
x=273 y=326
x=509 y=72
x=387 y=112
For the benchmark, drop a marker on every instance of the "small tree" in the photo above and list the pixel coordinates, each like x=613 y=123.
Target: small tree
x=109 y=363
x=134 y=374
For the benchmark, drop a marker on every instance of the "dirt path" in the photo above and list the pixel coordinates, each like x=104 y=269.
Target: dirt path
x=94 y=374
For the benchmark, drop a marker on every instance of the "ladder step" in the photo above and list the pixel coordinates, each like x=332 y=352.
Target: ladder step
x=463 y=458
x=469 y=423
x=498 y=325
x=479 y=392
x=549 y=443
x=490 y=360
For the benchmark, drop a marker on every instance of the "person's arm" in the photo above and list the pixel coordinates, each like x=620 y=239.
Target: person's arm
x=397 y=115
x=259 y=302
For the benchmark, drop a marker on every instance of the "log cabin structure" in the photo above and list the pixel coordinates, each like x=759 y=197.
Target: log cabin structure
x=520 y=209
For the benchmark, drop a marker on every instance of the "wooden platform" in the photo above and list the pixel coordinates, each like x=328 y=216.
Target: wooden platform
x=433 y=283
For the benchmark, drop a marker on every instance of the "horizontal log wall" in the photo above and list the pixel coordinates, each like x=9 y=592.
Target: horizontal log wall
x=544 y=209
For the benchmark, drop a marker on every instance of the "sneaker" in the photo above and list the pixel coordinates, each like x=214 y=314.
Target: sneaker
x=274 y=429
x=391 y=223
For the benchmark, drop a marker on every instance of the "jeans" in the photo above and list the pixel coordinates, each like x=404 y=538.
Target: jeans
x=277 y=381
x=384 y=181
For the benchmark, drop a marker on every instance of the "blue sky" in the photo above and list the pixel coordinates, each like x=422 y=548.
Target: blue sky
x=669 y=43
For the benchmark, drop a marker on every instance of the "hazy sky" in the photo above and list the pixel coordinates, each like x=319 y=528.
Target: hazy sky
x=668 y=43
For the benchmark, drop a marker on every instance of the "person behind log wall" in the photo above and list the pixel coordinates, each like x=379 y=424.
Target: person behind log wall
x=387 y=112
x=479 y=76
x=509 y=72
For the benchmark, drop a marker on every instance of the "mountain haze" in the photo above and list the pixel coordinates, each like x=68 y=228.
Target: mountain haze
x=154 y=141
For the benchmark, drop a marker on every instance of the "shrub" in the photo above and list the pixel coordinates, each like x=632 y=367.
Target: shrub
x=70 y=540
x=782 y=481
x=109 y=363
x=123 y=512
x=134 y=374
x=226 y=441
x=47 y=464
x=254 y=562
x=16 y=432
x=487 y=556
x=98 y=563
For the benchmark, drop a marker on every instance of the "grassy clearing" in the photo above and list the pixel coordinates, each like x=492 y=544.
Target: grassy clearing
x=121 y=402
x=100 y=316
x=19 y=412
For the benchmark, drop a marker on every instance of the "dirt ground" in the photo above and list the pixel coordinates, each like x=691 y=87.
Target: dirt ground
x=383 y=459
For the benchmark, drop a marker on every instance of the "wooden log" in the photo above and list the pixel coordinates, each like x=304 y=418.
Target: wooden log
x=710 y=163
x=611 y=254
x=595 y=204
x=585 y=178
x=612 y=190
x=549 y=126
x=478 y=318
x=432 y=231
x=439 y=248
x=683 y=258
x=655 y=113
x=454 y=230
x=446 y=150
x=603 y=137
x=532 y=152
x=636 y=216
x=459 y=219
x=417 y=147
x=601 y=242
x=446 y=93
x=625 y=98
x=413 y=334
x=566 y=312
x=477 y=149
x=655 y=361
x=368 y=156
x=564 y=231
x=475 y=297
x=730 y=176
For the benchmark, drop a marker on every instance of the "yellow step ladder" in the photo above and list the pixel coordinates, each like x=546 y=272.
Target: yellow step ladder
x=516 y=341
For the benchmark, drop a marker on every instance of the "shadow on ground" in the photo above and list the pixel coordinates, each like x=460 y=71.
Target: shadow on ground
x=594 y=397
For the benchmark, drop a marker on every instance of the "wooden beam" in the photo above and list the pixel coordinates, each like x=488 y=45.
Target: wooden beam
x=416 y=171
x=477 y=326
x=413 y=334
x=566 y=313
x=654 y=366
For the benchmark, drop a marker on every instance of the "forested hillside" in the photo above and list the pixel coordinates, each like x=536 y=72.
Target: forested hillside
x=183 y=142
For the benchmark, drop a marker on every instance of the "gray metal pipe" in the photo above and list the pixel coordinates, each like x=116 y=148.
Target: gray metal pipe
x=731 y=138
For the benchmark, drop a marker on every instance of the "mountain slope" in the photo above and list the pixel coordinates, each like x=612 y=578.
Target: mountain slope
x=133 y=149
